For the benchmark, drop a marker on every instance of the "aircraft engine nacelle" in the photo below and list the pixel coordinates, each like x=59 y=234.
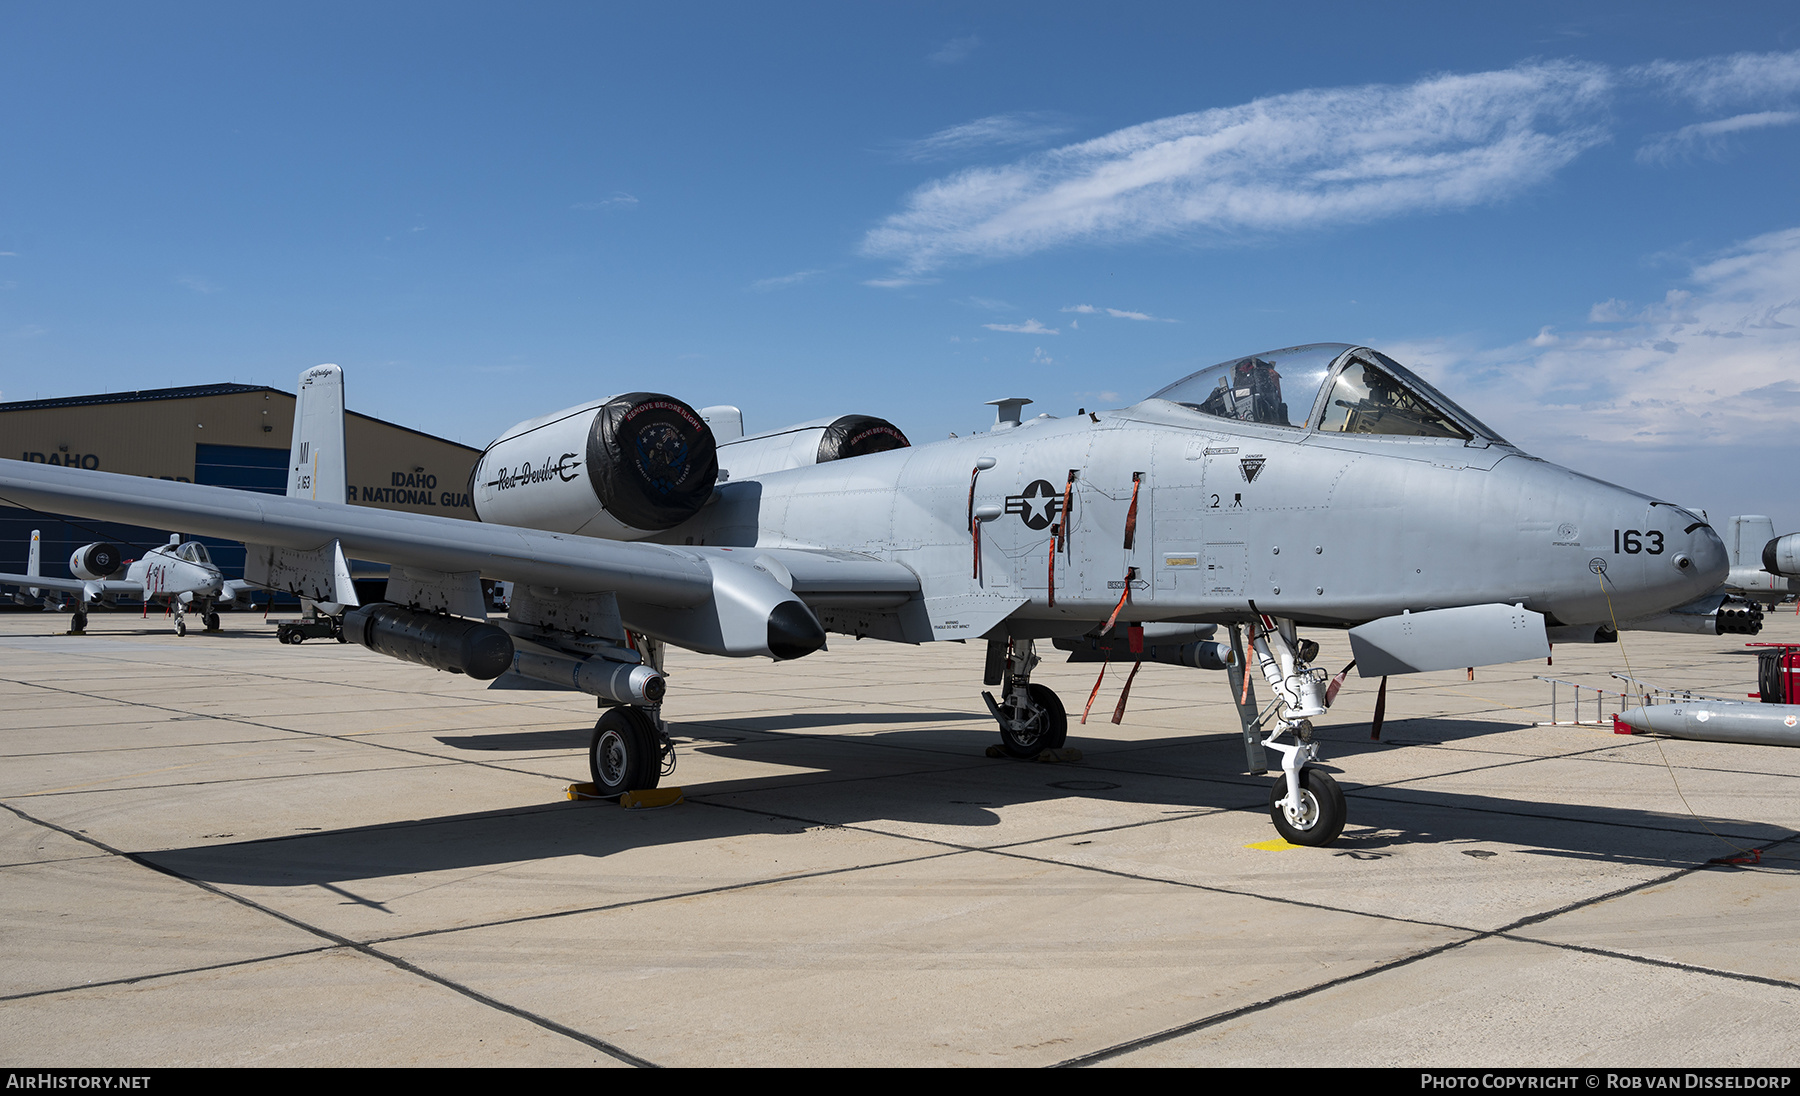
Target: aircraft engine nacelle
x=456 y=644
x=1781 y=556
x=816 y=442
x=93 y=562
x=621 y=469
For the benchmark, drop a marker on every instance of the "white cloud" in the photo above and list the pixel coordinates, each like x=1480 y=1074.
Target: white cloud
x=1029 y=327
x=956 y=49
x=898 y=282
x=1714 y=83
x=618 y=200
x=1716 y=364
x=1116 y=313
x=994 y=131
x=1304 y=159
x=785 y=280
x=197 y=284
x=1708 y=137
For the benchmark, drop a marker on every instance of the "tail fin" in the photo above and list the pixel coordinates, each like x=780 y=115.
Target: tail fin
x=1745 y=539
x=316 y=461
x=35 y=561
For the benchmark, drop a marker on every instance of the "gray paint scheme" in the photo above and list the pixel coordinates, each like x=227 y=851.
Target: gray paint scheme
x=1234 y=522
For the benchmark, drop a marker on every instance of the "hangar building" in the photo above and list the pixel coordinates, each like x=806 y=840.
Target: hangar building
x=227 y=435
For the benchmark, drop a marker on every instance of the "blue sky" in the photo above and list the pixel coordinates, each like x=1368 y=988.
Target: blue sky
x=1579 y=220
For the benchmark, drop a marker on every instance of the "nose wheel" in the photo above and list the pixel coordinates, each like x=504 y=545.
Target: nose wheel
x=1031 y=716
x=1039 y=724
x=1317 y=815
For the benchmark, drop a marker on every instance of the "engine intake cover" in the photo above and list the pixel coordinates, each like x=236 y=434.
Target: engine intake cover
x=652 y=460
x=623 y=468
x=859 y=435
x=93 y=562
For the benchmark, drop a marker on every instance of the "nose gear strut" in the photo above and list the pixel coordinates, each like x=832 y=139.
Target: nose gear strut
x=1306 y=804
x=1031 y=716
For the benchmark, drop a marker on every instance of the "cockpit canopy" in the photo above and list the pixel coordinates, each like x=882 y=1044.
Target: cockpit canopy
x=192 y=551
x=1334 y=388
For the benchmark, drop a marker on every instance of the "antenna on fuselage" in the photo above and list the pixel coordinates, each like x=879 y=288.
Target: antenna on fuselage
x=1006 y=411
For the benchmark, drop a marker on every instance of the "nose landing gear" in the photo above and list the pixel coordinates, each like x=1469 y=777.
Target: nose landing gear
x=1306 y=804
x=1031 y=717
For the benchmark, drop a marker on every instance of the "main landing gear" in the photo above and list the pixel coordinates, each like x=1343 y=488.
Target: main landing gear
x=1031 y=717
x=1306 y=804
x=629 y=751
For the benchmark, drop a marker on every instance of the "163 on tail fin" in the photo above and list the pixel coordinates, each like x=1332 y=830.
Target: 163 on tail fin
x=316 y=461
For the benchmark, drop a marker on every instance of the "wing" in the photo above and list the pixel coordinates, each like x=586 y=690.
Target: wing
x=90 y=590
x=716 y=600
x=39 y=582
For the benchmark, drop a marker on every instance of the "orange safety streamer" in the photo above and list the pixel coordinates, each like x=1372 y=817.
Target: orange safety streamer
x=1096 y=692
x=1052 y=575
x=1062 y=539
x=1119 y=710
x=1137 y=480
x=1124 y=596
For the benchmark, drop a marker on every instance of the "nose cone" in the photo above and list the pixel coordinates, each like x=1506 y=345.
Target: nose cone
x=1668 y=557
x=1710 y=562
x=1610 y=554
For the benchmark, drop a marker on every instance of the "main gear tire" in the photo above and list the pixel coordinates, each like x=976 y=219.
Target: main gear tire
x=625 y=754
x=1322 y=810
x=1047 y=728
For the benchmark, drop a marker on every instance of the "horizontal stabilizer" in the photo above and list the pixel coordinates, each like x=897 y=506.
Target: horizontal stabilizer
x=1448 y=639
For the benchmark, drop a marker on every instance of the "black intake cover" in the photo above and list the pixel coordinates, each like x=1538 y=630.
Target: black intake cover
x=652 y=460
x=859 y=435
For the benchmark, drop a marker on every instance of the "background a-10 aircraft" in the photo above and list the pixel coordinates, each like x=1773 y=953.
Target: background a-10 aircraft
x=179 y=574
x=1317 y=486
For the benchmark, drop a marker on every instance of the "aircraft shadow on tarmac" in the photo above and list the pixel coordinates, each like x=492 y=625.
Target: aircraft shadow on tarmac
x=938 y=778
x=689 y=733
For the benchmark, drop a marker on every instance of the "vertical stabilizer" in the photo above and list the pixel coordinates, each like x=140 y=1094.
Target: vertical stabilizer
x=316 y=461
x=35 y=561
x=1745 y=538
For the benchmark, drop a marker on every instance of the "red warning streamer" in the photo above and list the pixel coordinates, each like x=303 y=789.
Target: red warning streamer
x=1137 y=480
x=1107 y=661
x=1119 y=710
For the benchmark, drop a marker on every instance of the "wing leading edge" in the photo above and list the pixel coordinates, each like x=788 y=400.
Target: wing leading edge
x=704 y=582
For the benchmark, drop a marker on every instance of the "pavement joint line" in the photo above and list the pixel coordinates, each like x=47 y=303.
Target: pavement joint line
x=161 y=974
x=1650 y=960
x=1004 y=849
x=353 y=740
x=1505 y=931
x=630 y=903
x=365 y=949
x=1359 y=793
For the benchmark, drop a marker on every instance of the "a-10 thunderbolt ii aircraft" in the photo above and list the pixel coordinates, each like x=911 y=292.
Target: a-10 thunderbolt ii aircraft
x=1317 y=486
x=180 y=573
